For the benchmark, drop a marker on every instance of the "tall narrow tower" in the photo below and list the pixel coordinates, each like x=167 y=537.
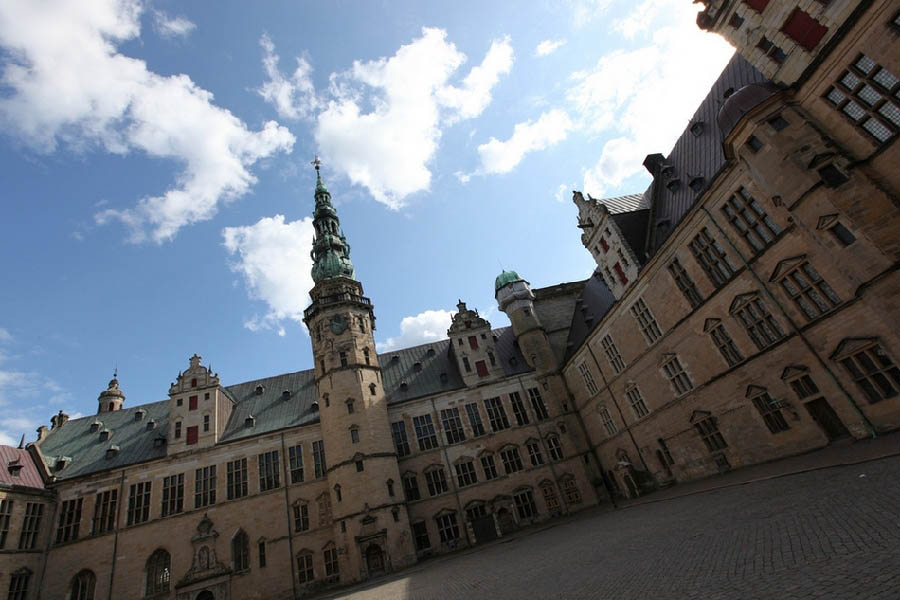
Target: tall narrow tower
x=370 y=519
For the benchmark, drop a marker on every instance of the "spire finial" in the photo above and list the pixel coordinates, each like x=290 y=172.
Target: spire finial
x=22 y=442
x=316 y=162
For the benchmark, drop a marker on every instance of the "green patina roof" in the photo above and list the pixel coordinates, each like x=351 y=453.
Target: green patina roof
x=504 y=278
x=331 y=252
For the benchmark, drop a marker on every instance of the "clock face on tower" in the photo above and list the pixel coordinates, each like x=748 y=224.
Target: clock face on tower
x=338 y=324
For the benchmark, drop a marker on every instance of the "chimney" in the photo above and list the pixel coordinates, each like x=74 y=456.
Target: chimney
x=59 y=420
x=653 y=162
x=42 y=433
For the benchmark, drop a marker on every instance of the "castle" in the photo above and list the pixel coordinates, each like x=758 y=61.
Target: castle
x=744 y=308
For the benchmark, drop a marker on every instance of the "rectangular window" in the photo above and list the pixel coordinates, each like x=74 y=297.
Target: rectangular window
x=18 y=586
x=343 y=357
x=420 y=534
x=34 y=512
x=447 y=528
x=588 y=378
x=305 y=568
x=680 y=381
x=762 y=328
x=473 y=342
x=269 y=472
x=537 y=403
x=867 y=94
x=620 y=273
x=573 y=494
x=750 y=220
x=725 y=345
x=711 y=258
x=770 y=411
x=843 y=235
x=489 y=467
x=775 y=54
x=177 y=429
x=803 y=29
x=301 y=516
x=874 y=371
x=685 y=283
x=262 y=554
x=809 y=291
x=496 y=414
x=236 y=472
x=192 y=403
x=708 y=430
x=205 y=486
x=205 y=423
x=525 y=505
x=465 y=474
x=331 y=563
x=481 y=368
x=192 y=433
x=638 y=406
x=425 y=434
x=173 y=495
x=804 y=386
x=5 y=511
x=319 y=458
x=550 y=497
x=608 y=424
x=401 y=442
x=518 y=407
x=612 y=354
x=453 y=427
x=475 y=419
x=411 y=488
x=437 y=482
x=512 y=461
x=553 y=444
x=324 y=501
x=534 y=454
x=466 y=364
x=295 y=458
x=138 y=503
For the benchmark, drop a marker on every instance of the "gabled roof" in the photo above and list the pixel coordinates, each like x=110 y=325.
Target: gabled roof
x=272 y=409
x=633 y=226
x=596 y=300
x=627 y=203
x=18 y=469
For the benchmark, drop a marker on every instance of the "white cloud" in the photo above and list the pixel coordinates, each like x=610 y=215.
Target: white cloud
x=586 y=11
x=293 y=97
x=502 y=157
x=273 y=258
x=658 y=86
x=5 y=336
x=27 y=400
x=170 y=27
x=385 y=117
x=66 y=83
x=548 y=47
x=560 y=194
x=640 y=19
x=427 y=326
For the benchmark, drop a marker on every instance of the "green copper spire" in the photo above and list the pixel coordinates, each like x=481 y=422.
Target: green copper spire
x=330 y=251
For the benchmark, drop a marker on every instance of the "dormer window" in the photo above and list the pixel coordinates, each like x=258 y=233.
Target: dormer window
x=105 y=434
x=430 y=352
x=286 y=395
x=260 y=389
x=697 y=128
x=417 y=367
x=14 y=466
x=673 y=185
x=95 y=426
x=151 y=424
x=403 y=386
x=159 y=442
x=443 y=378
x=395 y=359
x=112 y=451
x=668 y=171
x=138 y=415
x=696 y=183
x=250 y=421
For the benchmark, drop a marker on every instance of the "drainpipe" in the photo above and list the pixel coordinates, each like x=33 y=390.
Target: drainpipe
x=452 y=478
x=787 y=317
x=112 y=570
x=287 y=510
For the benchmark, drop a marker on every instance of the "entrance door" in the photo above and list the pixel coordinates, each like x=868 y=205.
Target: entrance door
x=484 y=529
x=206 y=595
x=374 y=559
x=506 y=520
x=825 y=417
x=632 y=489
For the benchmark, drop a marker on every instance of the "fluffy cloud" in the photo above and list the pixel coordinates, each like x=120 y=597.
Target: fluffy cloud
x=293 y=97
x=428 y=326
x=678 y=63
x=5 y=336
x=67 y=83
x=502 y=157
x=548 y=47
x=171 y=27
x=560 y=194
x=585 y=11
x=384 y=118
x=273 y=258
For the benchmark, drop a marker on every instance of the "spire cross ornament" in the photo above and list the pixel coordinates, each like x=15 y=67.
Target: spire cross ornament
x=316 y=162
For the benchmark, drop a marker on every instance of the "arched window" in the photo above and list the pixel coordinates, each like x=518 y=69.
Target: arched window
x=158 y=572
x=83 y=586
x=240 y=552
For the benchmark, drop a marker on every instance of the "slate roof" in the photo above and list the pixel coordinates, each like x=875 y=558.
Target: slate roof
x=695 y=155
x=627 y=203
x=18 y=469
x=595 y=301
x=272 y=409
x=633 y=226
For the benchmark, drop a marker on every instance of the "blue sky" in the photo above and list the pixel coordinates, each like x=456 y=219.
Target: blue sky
x=157 y=188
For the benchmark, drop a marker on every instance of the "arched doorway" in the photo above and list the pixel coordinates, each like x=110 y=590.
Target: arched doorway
x=632 y=489
x=506 y=520
x=205 y=595
x=374 y=559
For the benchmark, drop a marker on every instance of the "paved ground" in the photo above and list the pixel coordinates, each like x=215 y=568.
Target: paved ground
x=830 y=533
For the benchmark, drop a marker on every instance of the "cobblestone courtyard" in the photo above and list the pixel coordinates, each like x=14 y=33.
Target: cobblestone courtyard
x=832 y=533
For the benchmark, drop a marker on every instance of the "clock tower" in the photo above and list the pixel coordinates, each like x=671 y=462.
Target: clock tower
x=371 y=524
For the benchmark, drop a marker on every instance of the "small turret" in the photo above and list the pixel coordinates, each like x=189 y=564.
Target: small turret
x=112 y=397
x=515 y=298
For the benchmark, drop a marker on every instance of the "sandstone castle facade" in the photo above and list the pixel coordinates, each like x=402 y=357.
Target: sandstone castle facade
x=744 y=308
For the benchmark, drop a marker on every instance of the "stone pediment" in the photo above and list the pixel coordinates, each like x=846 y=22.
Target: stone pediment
x=205 y=564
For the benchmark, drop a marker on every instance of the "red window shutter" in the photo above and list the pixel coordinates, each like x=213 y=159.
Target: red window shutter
x=604 y=244
x=481 y=368
x=803 y=29
x=620 y=273
x=757 y=5
x=192 y=435
x=192 y=403
x=473 y=342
